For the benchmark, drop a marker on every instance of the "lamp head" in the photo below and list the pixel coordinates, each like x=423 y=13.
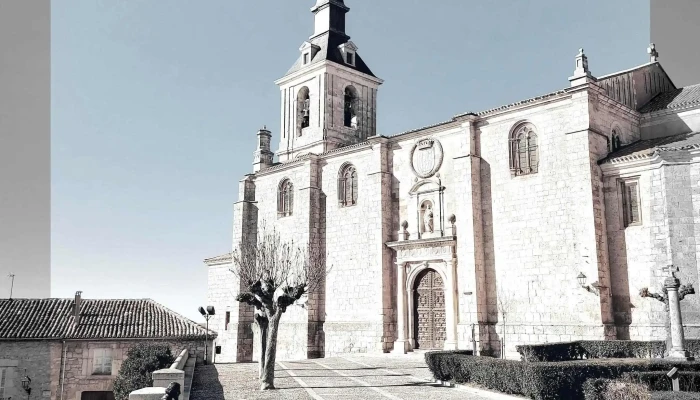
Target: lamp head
x=581 y=279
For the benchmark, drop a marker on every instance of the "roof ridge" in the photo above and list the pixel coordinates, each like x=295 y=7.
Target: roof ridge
x=177 y=314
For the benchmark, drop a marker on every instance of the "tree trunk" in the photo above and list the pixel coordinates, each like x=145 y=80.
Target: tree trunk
x=263 y=347
x=268 y=379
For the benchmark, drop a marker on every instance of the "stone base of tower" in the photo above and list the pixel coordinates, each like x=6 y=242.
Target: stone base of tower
x=236 y=344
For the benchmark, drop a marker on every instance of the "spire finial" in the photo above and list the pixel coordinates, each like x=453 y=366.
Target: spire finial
x=581 y=64
x=581 y=74
x=653 y=54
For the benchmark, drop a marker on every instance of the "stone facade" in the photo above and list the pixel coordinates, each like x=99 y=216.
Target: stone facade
x=508 y=246
x=32 y=359
x=53 y=378
x=78 y=376
x=69 y=347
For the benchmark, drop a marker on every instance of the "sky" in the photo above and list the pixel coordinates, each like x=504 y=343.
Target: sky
x=155 y=108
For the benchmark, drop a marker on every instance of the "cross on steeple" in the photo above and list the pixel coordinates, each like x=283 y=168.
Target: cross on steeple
x=653 y=54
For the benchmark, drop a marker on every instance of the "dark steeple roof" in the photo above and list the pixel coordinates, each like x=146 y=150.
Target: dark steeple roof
x=328 y=43
x=331 y=35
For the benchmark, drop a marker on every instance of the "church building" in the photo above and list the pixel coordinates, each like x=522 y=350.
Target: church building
x=537 y=221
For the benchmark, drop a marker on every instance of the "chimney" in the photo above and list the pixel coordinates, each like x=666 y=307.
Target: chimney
x=77 y=306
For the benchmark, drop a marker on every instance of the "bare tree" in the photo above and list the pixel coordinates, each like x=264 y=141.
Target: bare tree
x=274 y=274
x=505 y=303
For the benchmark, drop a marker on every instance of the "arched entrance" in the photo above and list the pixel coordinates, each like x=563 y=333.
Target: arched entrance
x=429 y=311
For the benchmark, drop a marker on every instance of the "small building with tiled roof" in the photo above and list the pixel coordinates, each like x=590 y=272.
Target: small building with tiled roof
x=564 y=206
x=73 y=348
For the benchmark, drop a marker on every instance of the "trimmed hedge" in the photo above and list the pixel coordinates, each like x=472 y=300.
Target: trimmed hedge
x=581 y=349
x=540 y=380
x=689 y=381
x=675 y=396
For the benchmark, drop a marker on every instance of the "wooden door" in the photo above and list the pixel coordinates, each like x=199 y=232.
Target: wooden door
x=429 y=311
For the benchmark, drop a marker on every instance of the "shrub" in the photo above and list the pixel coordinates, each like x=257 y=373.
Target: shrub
x=611 y=389
x=622 y=348
x=598 y=349
x=674 y=396
x=551 y=351
x=689 y=381
x=137 y=369
x=593 y=389
x=539 y=380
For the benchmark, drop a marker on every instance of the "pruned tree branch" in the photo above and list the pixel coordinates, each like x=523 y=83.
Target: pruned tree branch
x=644 y=292
x=685 y=290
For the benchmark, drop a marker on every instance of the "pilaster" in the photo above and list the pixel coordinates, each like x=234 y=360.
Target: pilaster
x=471 y=275
x=380 y=181
x=316 y=219
x=245 y=223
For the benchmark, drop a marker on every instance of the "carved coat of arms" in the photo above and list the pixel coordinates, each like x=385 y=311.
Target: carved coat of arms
x=426 y=157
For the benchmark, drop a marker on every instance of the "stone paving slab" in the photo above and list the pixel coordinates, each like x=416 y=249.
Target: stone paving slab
x=337 y=378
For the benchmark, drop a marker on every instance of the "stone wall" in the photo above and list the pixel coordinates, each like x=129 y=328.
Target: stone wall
x=32 y=359
x=223 y=289
x=667 y=235
x=540 y=229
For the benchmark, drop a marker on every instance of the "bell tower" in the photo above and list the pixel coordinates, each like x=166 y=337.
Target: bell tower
x=329 y=96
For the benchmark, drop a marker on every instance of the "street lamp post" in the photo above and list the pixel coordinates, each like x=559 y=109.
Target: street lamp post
x=208 y=313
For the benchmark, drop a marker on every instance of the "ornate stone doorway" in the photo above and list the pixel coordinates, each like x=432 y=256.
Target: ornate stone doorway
x=426 y=294
x=429 y=311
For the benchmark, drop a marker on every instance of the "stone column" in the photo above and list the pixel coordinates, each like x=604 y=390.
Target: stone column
x=401 y=345
x=451 y=306
x=677 y=351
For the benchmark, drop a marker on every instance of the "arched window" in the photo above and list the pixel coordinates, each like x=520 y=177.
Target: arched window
x=524 y=158
x=350 y=117
x=616 y=143
x=347 y=186
x=303 y=109
x=285 y=198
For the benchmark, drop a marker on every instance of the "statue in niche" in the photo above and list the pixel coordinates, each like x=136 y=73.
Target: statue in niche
x=428 y=220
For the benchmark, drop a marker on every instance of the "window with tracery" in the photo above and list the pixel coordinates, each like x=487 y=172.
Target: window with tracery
x=285 y=198
x=347 y=186
x=524 y=157
x=303 y=109
x=350 y=117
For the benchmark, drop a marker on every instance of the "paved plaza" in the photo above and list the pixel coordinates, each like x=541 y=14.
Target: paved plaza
x=352 y=377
